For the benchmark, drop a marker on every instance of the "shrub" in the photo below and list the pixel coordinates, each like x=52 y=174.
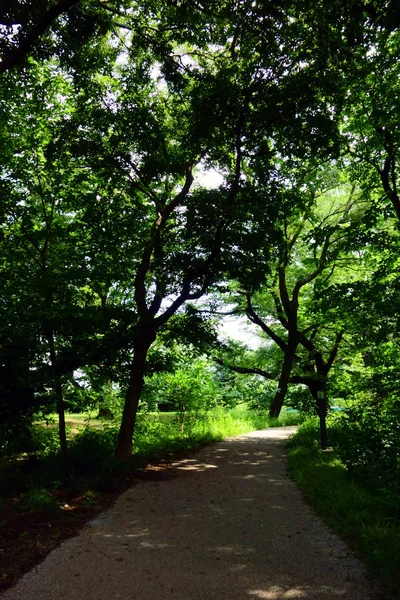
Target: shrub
x=93 y=449
x=366 y=440
x=370 y=444
x=44 y=441
x=367 y=518
x=37 y=499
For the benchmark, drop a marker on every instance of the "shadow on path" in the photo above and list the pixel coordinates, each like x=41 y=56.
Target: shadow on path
x=224 y=523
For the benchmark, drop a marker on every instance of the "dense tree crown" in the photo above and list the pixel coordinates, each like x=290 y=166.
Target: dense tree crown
x=115 y=118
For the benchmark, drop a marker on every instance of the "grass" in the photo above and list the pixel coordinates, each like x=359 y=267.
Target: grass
x=44 y=499
x=363 y=519
x=75 y=422
x=157 y=432
x=154 y=437
x=91 y=463
x=158 y=435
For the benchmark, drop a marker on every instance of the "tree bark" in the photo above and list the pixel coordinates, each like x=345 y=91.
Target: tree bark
x=279 y=398
x=61 y=419
x=318 y=389
x=62 y=433
x=146 y=336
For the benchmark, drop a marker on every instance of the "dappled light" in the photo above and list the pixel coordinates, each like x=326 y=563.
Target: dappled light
x=226 y=523
x=171 y=170
x=192 y=465
x=278 y=593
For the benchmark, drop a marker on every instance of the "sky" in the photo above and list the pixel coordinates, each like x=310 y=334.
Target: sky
x=241 y=330
x=237 y=328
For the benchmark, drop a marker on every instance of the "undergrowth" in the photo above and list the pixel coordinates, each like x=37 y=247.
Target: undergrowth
x=91 y=465
x=46 y=499
x=367 y=518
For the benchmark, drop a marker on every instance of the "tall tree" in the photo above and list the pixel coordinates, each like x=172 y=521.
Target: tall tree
x=287 y=309
x=250 y=82
x=138 y=124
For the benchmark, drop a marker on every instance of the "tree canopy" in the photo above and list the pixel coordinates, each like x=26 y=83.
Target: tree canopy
x=112 y=114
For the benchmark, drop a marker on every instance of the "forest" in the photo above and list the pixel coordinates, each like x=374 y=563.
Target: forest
x=166 y=167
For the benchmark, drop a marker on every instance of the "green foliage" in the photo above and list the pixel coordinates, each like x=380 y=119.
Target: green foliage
x=368 y=443
x=256 y=393
x=299 y=398
x=360 y=515
x=154 y=437
x=105 y=118
x=94 y=392
x=38 y=499
x=44 y=441
x=90 y=498
x=366 y=439
x=107 y=229
x=190 y=388
x=92 y=449
x=99 y=132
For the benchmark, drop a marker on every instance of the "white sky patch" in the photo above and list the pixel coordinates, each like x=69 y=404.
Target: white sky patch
x=234 y=327
x=241 y=330
x=156 y=75
x=209 y=179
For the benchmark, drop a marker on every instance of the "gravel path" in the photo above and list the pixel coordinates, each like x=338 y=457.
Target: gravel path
x=225 y=523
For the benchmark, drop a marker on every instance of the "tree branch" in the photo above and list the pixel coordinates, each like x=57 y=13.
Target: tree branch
x=17 y=55
x=334 y=351
x=254 y=318
x=245 y=370
x=140 y=279
x=321 y=266
x=279 y=309
x=388 y=173
x=284 y=294
x=205 y=269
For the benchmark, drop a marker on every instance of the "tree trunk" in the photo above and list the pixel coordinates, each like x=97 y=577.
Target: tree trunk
x=59 y=395
x=322 y=425
x=143 y=342
x=279 y=398
x=319 y=393
x=61 y=419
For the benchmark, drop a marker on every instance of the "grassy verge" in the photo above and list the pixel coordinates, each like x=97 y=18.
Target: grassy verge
x=44 y=500
x=154 y=438
x=364 y=519
x=92 y=441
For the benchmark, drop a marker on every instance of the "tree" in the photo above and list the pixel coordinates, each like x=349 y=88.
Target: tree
x=190 y=390
x=137 y=125
x=289 y=307
x=370 y=127
x=52 y=28
x=56 y=286
x=243 y=137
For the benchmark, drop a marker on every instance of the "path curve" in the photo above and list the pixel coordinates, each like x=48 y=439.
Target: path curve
x=224 y=523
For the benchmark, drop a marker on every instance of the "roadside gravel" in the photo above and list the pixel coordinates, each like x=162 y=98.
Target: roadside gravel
x=224 y=523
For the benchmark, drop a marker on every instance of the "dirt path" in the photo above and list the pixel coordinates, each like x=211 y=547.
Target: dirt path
x=225 y=523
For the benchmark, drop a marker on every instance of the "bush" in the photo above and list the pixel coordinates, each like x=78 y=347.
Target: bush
x=37 y=499
x=44 y=441
x=366 y=518
x=93 y=449
x=366 y=441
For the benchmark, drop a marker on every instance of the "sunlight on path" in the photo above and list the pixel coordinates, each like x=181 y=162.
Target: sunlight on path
x=224 y=523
